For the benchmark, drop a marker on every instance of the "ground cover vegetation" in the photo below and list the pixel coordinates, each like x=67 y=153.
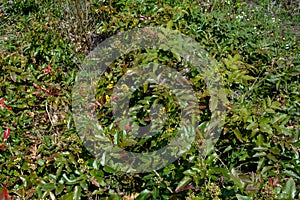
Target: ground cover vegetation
x=256 y=46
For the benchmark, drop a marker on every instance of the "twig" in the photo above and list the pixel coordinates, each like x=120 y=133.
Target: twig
x=162 y=180
x=49 y=115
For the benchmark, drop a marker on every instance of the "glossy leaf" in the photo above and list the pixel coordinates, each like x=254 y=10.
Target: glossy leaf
x=145 y=194
x=184 y=181
x=290 y=188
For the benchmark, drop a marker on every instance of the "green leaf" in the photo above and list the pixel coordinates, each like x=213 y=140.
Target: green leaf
x=238 y=134
x=109 y=169
x=213 y=103
x=266 y=128
x=183 y=182
x=59 y=188
x=52 y=196
x=40 y=162
x=145 y=194
x=275 y=150
x=189 y=172
x=260 y=154
x=68 y=196
x=145 y=87
x=276 y=105
x=48 y=186
x=77 y=193
x=260 y=140
x=269 y=101
x=84 y=185
x=291 y=173
x=290 y=188
x=202 y=126
x=59 y=170
x=170 y=24
x=227 y=149
x=252 y=125
x=240 y=197
x=236 y=179
x=279 y=118
x=70 y=181
x=96 y=164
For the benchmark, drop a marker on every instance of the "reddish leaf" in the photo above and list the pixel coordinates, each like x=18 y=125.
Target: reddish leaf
x=36 y=86
x=8 y=108
x=2 y=105
x=4 y=195
x=99 y=102
x=48 y=69
x=187 y=188
x=95 y=107
x=53 y=93
x=127 y=128
x=95 y=182
x=124 y=155
x=114 y=97
x=6 y=134
x=270 y=181
x=275 y=183
x=2 y=146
